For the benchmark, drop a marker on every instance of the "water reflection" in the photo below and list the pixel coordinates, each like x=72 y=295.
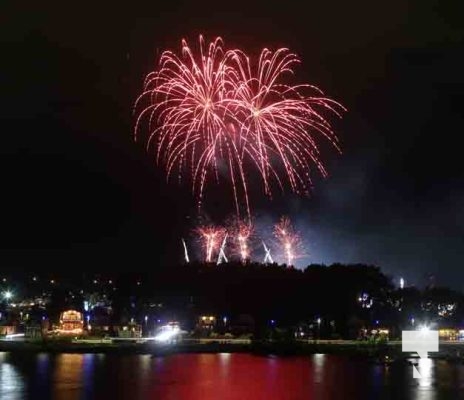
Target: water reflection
x=145 y=365
x=43 y=364
x=424 y=380
x=88 y=374
x=222 y=376
x=425 y=370
x=12 y=385
x=67 y=377
x=319 y=362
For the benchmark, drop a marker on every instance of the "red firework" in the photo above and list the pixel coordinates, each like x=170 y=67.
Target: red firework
x=280 y=122
x=288 y=239
x=241 y=233
x=214 y=111
x=211 y=238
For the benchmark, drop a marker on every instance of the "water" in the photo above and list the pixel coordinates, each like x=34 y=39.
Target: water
x=221 y=377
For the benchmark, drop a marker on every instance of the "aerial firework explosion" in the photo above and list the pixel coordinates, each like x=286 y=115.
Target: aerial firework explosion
x=211 y=238
x=215 y=242
x=288 y=239
x=242 y=232
x=216 y=111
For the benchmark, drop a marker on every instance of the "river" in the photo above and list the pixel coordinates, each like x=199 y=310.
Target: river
x=221 y=377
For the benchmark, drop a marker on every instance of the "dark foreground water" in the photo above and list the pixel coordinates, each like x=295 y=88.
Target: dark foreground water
x=221 y=377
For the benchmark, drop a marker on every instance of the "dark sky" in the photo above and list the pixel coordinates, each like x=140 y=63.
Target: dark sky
x=77 y=191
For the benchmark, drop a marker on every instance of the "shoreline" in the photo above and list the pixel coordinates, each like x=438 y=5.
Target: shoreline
x=385 y=352
x=258 y=348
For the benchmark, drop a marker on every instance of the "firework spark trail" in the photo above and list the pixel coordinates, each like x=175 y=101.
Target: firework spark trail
x=214 y=110
x=281 y=121
x=186 y=256
x=288 y=239
x=267 y=256
x=222 y=255
x=243 y=243
x=242 y=232
x=188 y=114
x=210 y=237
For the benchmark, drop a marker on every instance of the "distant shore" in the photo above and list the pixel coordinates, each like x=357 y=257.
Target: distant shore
x=120 y=347
x=382 y=352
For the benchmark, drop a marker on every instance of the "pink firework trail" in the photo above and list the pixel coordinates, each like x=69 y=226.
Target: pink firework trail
x=211 y=238
x=214 y=111
x=288 y=239
x=243 y=232
x=280 y=123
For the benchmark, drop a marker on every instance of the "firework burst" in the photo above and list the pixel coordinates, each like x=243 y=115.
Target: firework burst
x=211 y=238
x=288 y=239
x=213 y=111
x=242 y=233
x=280 y=123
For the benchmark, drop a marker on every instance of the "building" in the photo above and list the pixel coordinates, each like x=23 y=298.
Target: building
x=451 y=334
x=128 y=331
x=7 y=330
x=33 y=332
x=71 y=322
x=381 y=333
x=206 y=322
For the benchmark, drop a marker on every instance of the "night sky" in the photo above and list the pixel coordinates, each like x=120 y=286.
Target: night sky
x=76 y=191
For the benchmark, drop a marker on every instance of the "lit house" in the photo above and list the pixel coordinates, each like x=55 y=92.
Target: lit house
x=206 y=322
x=71 y=322
x=451 y=334
x=131 y=330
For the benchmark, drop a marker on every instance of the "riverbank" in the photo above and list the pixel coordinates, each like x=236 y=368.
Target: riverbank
x=130 y=347
x=376 y=351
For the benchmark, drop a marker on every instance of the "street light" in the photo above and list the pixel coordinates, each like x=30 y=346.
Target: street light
x=7 y=295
